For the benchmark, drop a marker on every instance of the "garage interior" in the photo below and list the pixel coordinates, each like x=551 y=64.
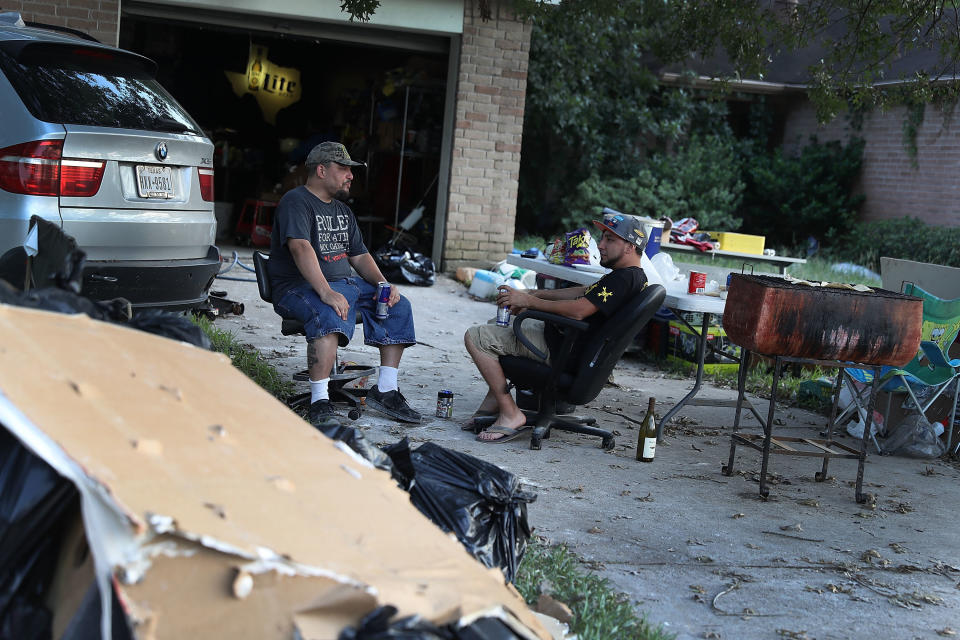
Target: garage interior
x=383 y=96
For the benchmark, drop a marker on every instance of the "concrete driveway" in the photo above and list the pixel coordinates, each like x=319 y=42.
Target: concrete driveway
x=696 y=550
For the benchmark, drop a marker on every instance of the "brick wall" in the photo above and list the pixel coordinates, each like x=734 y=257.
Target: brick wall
x=893 y=186
x=98 y=18
x=486 y=148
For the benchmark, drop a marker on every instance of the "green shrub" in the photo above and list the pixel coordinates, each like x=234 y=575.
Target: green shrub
x=701 y=180
x=791 y=197
x=904 y=238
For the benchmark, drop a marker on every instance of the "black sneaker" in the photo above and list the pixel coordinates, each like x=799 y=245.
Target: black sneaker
x=393 y=404
x=322 y=416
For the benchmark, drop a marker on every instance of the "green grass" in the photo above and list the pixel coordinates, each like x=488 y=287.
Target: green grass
x=600 y=612
x=247 y=359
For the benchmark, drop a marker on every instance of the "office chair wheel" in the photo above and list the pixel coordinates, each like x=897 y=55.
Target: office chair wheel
x=819 y=476
x=726 y=470
x=607 y=443
x=535 y=442
x=354 y=414
x=765 y=494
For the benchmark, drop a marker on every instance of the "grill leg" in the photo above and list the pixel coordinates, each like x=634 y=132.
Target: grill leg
x=868 y=424
x=727 y=469
x=821 y=475
x=768 y=428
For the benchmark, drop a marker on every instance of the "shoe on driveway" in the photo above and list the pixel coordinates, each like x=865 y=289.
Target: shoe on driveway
x=322 y=415
x=393 y=404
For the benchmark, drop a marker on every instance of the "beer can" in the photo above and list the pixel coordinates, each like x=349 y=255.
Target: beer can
x=698 y=282
x=503 y=316
x=383 y=299
x=445 y=403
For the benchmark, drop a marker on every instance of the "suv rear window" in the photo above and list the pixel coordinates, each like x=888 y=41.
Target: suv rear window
x=73 y=84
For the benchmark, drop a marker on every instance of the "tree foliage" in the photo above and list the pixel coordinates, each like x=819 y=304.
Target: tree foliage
x=862 y=44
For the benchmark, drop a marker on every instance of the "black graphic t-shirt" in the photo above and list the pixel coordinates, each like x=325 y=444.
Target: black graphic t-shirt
x=607 y=294
x=329 y=227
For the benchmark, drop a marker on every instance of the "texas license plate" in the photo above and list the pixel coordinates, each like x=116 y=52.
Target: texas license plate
x=154 y=181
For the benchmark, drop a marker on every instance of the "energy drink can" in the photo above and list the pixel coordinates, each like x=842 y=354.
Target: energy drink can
x=383 y=299
x=503 y=316
x=445 y=403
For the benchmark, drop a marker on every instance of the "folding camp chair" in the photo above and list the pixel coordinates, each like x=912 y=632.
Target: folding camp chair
x=931 y=368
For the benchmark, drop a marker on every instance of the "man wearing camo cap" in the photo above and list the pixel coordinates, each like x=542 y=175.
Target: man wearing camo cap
x=621 y=247
x=314 y=243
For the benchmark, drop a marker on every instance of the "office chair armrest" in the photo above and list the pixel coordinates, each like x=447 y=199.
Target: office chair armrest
x=552 y=318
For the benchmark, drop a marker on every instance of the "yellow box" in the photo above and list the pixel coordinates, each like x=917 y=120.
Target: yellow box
x=739 y=242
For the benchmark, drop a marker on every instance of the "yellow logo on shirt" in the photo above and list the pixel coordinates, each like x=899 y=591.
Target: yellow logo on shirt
x=604 y=294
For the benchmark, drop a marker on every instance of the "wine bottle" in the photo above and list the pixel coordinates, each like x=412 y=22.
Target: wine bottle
x=647 y=438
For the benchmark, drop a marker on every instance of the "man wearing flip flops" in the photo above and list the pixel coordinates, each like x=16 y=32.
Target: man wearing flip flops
x=621 y=247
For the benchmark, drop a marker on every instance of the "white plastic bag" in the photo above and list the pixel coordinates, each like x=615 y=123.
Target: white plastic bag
x=653 y=275
x=664 y=265
x=594 y=251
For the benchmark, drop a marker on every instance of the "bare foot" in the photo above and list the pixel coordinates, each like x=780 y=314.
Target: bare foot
x=501 y=427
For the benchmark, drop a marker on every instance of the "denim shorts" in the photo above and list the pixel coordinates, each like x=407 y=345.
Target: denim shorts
x=304 y=304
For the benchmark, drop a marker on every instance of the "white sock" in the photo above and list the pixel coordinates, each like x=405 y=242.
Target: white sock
x=388 y=379
x=318 y=390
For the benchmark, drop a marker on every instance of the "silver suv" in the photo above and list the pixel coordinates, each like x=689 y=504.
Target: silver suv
x=91 y=141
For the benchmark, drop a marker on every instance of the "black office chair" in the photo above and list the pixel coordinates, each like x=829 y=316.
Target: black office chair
x=341 y=374
x=577 y=381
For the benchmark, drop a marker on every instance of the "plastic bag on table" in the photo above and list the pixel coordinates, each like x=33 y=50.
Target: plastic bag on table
x=482 y=504
x=914 y=437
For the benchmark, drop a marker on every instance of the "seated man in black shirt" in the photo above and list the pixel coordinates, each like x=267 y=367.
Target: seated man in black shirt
x=620 y=249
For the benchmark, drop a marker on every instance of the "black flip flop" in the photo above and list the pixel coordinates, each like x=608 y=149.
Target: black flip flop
x=509 y=434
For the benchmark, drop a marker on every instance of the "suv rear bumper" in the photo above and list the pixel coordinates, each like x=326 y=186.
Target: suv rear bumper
x=173 y=285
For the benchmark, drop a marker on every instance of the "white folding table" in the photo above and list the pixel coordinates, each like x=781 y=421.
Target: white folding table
x=677 y=299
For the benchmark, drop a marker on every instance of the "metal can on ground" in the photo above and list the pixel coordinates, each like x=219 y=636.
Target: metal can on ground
x=445 y=403
x=503 y=316
x=698 y=282
x=383 y=299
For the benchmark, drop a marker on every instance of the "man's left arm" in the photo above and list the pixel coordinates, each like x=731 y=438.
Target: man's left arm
x=367 y=268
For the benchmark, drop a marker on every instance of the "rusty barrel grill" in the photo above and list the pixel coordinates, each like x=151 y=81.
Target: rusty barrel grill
x=830 y=326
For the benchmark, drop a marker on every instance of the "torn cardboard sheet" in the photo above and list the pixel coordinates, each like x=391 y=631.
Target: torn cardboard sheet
x=211 y=505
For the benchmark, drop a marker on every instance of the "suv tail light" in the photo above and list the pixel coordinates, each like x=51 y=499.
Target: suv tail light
x=81 y=178
x=206 y=184
x=37 y=169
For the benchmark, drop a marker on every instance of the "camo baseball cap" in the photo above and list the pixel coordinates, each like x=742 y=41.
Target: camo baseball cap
x=626 y=227
x=327 y=152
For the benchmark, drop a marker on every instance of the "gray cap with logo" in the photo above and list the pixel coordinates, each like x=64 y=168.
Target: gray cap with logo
x=626 y=227
x=327 y=152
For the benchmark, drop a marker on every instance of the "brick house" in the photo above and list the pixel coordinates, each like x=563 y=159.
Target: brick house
x=479 y=92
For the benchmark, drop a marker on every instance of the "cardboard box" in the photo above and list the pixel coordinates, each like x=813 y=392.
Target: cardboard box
x=682 y=348
x=739 y=242
x=211 y=509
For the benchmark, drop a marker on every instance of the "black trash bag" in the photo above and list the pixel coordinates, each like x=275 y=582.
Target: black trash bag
x=66 y=301
x=403 y=471
x=404 y=266
x=59 y=261
x=482 y=504
x=33 y=500
x=376 y=625
x=170 y=325
x=353 y=438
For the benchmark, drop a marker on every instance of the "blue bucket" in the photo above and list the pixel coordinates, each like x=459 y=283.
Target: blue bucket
x=654 y=236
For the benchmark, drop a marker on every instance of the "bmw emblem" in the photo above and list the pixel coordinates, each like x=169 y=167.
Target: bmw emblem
x=161 y=151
